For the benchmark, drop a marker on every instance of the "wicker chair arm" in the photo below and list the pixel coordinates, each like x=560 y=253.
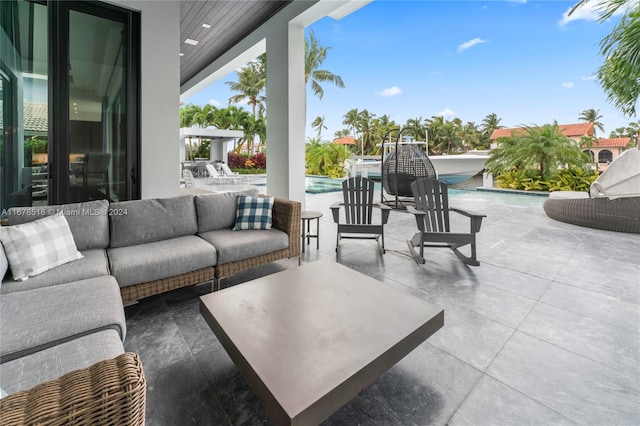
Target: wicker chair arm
x=110 y=392
x=286 y=218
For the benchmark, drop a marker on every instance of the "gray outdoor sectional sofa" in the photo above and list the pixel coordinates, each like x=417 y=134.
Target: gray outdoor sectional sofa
x=71 y=319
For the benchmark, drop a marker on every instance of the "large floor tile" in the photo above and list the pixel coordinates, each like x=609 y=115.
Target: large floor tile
x=156 y=338
x=594 y=305
x=493 y=403
x=613 y=346
x=470 y=337
x=178 y=394
x=491 y=302
x=426 y=387
x=583 y=390
x=606 y=276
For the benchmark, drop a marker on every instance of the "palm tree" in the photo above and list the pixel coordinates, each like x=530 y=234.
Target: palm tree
x=314 y=56
x=592 y=116
x=251 y=82
x=318 y=124
x=418 y=128
x=619 y=76
x=542 y=148
x=489 y=124
x=364 y=125
x=351 y=120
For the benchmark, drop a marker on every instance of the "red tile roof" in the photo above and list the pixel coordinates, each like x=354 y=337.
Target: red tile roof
x=610 y=143
x=568 y=130
x=347 y=140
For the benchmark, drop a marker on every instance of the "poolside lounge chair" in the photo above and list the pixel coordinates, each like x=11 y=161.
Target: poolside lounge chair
x=613 y=202
x=358 y=207
x=228 y=172
x=215 y=177
x=432 y=217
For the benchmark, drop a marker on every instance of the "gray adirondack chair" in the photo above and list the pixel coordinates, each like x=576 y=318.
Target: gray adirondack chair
x=358 y=206
x=432 y=217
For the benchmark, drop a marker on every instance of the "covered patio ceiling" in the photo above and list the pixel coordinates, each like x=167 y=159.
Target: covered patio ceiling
x=229 y=22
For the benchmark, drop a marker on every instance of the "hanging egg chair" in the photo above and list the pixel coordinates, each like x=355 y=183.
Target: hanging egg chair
x=403 y=166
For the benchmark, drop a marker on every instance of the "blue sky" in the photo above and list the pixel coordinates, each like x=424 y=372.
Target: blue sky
x=522 y=60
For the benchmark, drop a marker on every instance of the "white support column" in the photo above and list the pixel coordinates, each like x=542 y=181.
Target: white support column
x=285 y=111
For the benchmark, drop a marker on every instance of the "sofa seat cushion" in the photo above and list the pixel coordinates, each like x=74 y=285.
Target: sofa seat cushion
x=93 y=264
x=160 y=259
x=51 y=363
x=240 y=245
x=34 y=320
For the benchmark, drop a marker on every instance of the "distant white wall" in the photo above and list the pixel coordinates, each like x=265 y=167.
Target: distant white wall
x=160 y=96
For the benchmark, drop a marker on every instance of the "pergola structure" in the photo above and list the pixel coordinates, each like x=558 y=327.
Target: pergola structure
x=220 y=141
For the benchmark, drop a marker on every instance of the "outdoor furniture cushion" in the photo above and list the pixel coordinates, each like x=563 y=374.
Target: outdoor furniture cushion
x=145 y=221
x=51 y=363
x=93 y=264
x=621 y=179
x=35 y=247
x=233 y=245
x=34 y=320
x=4 y=262
x=89 y=222
x=253 y=212
x=160 y=259
x=218 y=211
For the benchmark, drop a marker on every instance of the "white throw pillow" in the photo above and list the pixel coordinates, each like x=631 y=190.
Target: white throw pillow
x=4 y=263
x=35 y=247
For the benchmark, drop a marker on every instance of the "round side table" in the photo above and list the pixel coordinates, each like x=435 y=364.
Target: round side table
x=307 y=217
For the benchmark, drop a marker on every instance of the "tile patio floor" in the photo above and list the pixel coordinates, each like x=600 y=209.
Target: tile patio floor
x=546 y=331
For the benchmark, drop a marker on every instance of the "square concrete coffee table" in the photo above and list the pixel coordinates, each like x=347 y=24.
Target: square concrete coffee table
x=309 y=339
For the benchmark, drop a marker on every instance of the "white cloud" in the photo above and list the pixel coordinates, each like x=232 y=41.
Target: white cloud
x=390 y=91
x=466 y=45
x=590 y=12
x=589 y=77
x=446 y=113
x=215 y=102
x=567 y=85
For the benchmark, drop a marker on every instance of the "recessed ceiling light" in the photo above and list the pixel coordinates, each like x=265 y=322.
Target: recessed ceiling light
x=181 y=54
x=206 y=26
x=191 y=42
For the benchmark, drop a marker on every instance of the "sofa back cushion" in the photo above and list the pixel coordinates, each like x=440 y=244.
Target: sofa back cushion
x=88 y=221
x=218 y=211
x=145 y=221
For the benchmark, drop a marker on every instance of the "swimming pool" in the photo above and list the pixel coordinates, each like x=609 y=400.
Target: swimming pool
x=321 y=185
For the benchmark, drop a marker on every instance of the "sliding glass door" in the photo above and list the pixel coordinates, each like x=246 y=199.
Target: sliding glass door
x=96 y=85
x=70 y=102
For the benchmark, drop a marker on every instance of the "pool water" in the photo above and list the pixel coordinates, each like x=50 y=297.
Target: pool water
x=320 y=185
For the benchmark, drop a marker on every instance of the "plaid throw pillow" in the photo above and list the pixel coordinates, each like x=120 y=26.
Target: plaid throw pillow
x=253 y=212
x=35 y=247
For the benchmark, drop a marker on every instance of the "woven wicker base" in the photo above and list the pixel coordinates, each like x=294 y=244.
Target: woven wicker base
x=110 y=392
x=621 y=215
x=140 y=291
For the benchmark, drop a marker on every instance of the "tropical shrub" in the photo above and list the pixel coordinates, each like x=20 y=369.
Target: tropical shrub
x=570 y=179
x=256 y=162
x=326 y=159
x=235 y=160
